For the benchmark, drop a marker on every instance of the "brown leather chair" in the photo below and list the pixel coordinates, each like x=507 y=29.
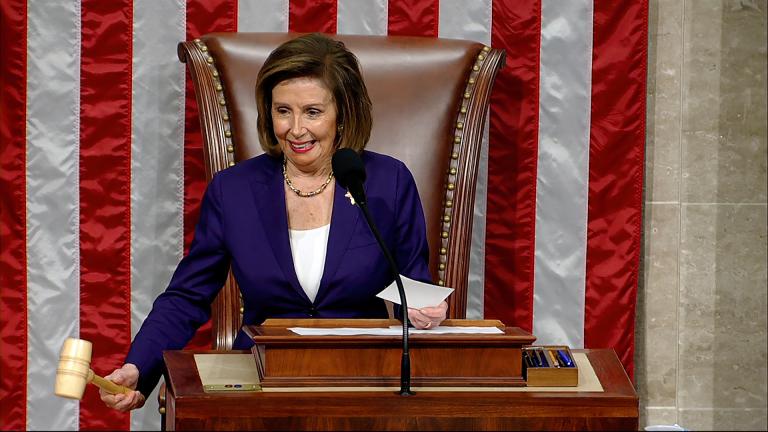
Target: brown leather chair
x=430 y=98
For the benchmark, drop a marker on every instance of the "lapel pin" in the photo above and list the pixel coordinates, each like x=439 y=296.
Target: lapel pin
x=349 y=195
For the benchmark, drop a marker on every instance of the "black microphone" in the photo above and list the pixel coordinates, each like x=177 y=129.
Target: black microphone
x=350 y=173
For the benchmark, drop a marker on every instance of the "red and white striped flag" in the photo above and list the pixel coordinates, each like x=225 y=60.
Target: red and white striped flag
x=101 y=171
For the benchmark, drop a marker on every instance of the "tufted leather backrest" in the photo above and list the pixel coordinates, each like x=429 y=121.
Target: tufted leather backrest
x=430 y=99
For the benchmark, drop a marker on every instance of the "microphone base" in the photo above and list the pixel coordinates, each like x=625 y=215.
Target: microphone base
x=406 y=393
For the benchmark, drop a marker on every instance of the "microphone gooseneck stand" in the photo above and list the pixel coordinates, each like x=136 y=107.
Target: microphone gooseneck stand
x=405 y=362
x=350 y=174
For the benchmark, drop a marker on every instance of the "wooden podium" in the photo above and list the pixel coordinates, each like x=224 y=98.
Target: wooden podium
x=285 y=359
x=338 y=394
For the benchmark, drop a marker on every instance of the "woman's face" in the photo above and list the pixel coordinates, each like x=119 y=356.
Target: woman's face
x=304 y=121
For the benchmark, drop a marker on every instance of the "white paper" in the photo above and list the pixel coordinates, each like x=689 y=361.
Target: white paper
x=417 y=294
x=390 y=331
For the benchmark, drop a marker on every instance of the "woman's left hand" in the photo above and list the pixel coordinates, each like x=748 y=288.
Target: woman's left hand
x=428 y=317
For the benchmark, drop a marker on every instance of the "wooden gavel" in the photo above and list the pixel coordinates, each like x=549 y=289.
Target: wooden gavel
x=75 y=371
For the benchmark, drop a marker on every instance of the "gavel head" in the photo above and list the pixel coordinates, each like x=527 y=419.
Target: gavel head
x=74 y=368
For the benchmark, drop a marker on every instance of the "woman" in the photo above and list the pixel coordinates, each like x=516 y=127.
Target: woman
x=296 y=245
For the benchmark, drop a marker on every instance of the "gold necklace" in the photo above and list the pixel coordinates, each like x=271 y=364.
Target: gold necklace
x=300 y=193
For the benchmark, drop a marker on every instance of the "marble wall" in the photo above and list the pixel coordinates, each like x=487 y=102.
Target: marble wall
x=701 y=318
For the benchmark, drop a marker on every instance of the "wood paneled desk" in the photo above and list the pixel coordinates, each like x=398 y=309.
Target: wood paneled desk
x=190 y=408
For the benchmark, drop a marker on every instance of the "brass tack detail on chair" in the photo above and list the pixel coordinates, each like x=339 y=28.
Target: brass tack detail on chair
x=226 y=155
x=453 y=171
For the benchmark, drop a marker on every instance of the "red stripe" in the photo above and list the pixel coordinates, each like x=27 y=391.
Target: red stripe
x=203 y=16
x=13 y=215
x=617 y=138
x=312 y=16
x=413 y=17
x=513 y=135
x=105 y=183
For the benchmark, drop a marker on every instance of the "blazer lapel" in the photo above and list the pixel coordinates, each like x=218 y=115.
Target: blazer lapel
x=270 y=200
x=344 y=219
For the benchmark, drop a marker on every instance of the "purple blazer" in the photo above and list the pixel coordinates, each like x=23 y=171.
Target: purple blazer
x=243 y=223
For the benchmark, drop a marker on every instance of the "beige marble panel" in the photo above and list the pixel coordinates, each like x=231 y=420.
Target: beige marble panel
x=737 y=419
x=724 y=102
x=656 y=327
x=702 y=28
x=665 y=47
x=743 y=102
x=722 y=317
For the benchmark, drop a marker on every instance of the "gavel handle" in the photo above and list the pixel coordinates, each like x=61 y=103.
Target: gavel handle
x=106 y=384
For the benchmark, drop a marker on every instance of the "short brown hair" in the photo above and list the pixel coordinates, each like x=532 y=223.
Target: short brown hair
x=318 y=56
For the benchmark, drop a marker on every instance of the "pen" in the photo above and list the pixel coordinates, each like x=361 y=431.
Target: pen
x=534 y=358
x=542 y=357
x=528 y=360
x=552 y=357
x=565 y=358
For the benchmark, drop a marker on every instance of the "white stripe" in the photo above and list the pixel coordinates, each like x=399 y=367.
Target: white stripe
x=53 y=238
x=363 y=17
x=157 y=149
x=563 y=172
x=262 y=15
x=476 y=283
x=460 y=19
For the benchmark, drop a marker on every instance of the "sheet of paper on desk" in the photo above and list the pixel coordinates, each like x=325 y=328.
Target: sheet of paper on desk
x=417 y=294
x=390 y=331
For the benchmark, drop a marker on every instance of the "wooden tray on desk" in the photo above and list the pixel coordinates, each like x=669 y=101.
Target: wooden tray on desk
x=285 y=359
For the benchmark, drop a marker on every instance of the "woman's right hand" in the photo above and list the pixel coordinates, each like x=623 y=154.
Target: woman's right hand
x=128 y=376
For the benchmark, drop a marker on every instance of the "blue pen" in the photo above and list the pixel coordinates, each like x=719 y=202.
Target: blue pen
x=565 y=358
x=542 y=358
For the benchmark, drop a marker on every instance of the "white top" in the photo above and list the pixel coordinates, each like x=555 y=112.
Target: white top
x=308 y=248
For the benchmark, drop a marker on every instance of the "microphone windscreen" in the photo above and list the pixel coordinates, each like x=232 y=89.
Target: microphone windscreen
x=348 y=167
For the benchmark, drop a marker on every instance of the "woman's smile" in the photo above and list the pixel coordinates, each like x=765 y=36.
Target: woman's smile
x=301 y=146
